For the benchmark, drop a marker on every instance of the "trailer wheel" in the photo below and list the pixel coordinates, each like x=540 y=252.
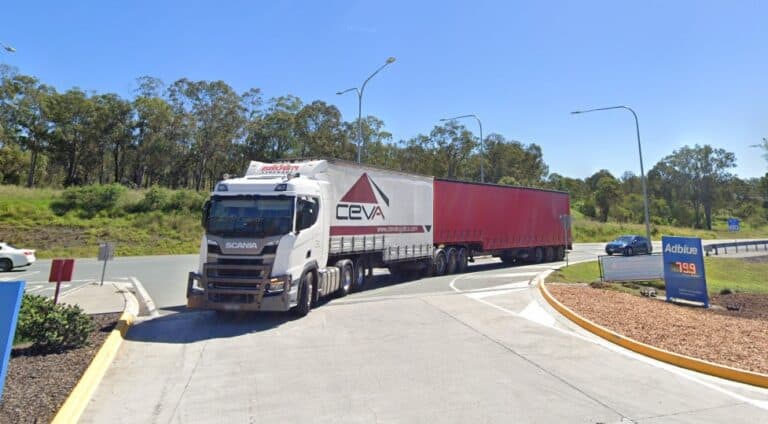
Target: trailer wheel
x=305 y=295
x=441 y=263
x=560 y=253
x=549 y=254
x=463 y=260
x=453 y=260
x=345 y=276
x=538 y=255
x=359 y=278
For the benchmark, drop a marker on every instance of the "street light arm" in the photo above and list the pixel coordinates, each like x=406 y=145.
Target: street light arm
x=347 y=91
x=360 y=93
x=7 y=48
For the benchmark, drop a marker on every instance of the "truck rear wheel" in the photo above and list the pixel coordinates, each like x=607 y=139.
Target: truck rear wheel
x=538 y=255
x=463 y=260
x=453 y=260
x=359 y=279
x=549 y=254
x=345 y=276
x=441 y=262
x=560 y=253
x=305 y=295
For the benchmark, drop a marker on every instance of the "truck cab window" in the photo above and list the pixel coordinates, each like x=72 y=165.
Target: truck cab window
x=307 y=211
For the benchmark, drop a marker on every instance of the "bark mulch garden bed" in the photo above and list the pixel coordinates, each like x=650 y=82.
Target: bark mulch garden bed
x=37 y=385
x=736 y=338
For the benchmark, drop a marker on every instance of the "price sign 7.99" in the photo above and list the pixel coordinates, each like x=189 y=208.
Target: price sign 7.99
x=688 y=268
x=684 y=275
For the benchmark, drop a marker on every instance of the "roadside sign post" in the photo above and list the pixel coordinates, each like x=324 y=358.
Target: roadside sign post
x=11 y=293
x=106 y=253
x=684 y=276
x=734 y=225
x=61 y=270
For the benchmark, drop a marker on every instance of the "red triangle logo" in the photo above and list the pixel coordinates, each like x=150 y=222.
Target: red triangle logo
x=360 y=192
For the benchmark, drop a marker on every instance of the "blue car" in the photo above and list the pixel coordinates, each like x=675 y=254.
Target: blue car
x=628 y=246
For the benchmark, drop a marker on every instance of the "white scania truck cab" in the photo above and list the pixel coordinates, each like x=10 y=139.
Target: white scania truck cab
x=286 y=234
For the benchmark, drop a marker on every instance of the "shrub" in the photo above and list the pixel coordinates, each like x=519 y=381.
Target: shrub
x=187 y=200
x=52 y=328
x=155 y=199
x=88 y=200
x=588 y=208
x=162 y=199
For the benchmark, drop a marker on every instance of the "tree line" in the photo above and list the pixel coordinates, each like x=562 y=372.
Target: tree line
x=187 y=134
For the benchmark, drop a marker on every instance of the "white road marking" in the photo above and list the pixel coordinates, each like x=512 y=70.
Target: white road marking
x=488 y=293
x=502 y=287
x=148 y=302
x=682 y=372
x=513 y=275
x=34 y=289
x=21 y=276
x=534 y=312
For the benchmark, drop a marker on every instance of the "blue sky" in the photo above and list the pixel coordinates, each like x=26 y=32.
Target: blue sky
x=695 y=71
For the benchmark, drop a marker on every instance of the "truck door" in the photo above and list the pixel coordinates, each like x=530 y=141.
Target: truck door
x=308 y=245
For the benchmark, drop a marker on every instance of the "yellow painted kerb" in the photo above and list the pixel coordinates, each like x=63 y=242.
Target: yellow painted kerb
x=722 y=371
x=75 y=404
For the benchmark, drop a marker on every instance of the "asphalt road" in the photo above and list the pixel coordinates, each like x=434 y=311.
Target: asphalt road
x=477 y=347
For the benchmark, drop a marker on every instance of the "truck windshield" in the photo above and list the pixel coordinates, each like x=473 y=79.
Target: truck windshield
x=250 y=216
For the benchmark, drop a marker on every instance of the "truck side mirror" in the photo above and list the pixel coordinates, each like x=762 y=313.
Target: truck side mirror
x=206 y=212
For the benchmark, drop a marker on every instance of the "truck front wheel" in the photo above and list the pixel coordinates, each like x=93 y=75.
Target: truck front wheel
x=305 y=295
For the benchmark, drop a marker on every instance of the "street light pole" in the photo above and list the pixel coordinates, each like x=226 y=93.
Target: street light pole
x=642 y=171
x=482 y=142
x=359 y=92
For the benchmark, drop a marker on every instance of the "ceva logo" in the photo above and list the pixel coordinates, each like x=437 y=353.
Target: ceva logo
x=360 y=201
x=240 y=245
x=680 y=248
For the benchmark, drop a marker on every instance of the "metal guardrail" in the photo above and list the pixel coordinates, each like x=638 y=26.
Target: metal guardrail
x=735 y=245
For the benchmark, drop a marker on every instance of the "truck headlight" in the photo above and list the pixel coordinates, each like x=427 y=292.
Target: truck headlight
x=277 y=285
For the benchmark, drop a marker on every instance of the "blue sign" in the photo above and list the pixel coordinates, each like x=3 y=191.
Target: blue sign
x=10 y=302
x=734 y=224
x=684 y=275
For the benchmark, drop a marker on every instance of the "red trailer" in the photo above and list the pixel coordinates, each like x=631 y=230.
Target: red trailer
x=513 y=223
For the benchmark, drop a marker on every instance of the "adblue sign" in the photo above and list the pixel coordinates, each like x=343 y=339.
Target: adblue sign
x=684 y=275
x=10 y=302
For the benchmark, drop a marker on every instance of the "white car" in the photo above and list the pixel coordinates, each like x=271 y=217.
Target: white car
x=11 y=257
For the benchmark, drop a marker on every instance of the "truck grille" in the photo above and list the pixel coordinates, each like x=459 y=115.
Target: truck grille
x=231 y=298
x=235 y=273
